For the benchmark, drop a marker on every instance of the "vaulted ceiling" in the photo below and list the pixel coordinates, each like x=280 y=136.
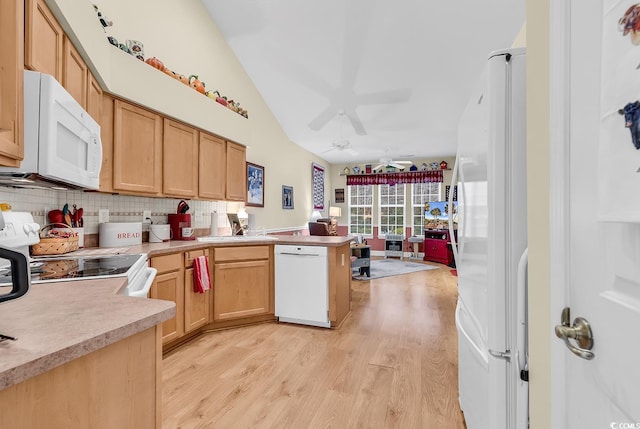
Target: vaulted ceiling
x=360 y=80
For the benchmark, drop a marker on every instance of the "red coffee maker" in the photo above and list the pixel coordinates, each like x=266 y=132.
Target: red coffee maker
x=180 y=225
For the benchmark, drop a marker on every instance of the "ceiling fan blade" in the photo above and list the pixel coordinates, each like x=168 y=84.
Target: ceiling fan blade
x=356 y=123
x=378 y=167
x=322 y=119
x=403 y=162
x=357 y=21
x=385 y=97
x=329 y=150
x=396 y=165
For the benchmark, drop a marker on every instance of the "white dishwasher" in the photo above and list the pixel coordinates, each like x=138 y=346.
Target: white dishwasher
x=302 y=284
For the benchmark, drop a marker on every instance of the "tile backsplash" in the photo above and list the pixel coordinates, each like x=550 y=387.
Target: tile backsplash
x=122 y=208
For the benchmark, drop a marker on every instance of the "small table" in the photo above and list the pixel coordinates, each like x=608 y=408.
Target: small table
x=416 y=241
x=363 y=262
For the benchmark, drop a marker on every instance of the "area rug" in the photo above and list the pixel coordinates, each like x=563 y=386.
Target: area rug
x=391 y=267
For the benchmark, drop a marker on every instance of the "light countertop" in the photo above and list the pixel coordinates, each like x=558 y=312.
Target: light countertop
x=56 y=323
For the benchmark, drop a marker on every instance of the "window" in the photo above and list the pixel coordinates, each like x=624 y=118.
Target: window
x=361 y=209
x=420 y=194
x=391 y=203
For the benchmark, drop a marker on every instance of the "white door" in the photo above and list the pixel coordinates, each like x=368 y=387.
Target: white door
x=595 y=266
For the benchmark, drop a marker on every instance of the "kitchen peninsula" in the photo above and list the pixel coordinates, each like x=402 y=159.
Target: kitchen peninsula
x=85 y=356
x=242 y=273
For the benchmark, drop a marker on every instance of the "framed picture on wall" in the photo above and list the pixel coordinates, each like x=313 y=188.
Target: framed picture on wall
x=255 y=185
x=287 y=197
x=339 y=197
x=317 y=182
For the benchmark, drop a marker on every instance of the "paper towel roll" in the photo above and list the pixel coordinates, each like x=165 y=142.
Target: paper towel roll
x=213 y=229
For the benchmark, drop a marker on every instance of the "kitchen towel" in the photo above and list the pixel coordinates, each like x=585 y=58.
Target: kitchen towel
x=201 y=279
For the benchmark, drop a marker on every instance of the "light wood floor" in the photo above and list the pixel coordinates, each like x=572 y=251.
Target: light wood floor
x=392 y=364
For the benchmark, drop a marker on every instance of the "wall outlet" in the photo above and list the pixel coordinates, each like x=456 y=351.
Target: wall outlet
x=146 y=216
x=103 y=215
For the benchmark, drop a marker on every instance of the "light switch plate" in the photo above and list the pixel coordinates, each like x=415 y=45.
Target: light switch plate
x=197 y=214
x=146 y=216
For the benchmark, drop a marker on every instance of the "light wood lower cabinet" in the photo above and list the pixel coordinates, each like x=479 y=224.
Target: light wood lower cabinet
x=243 y=282
x=118 y=386
x=174 y=282
x=196 y=305
x=169 y=286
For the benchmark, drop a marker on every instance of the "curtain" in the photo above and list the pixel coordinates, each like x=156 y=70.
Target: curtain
x=395 y=178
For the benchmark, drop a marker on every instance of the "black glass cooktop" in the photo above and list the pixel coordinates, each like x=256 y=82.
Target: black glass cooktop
x=60 y=269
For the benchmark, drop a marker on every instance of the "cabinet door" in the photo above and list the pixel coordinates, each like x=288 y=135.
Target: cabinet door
x=94 y=97
x=137 y=149
x=106 y=135
x=43 y=34
x=236 y=172
x=11 y=83
x=169 y=287
x=180 y=160
x=74 y=73
x=241 y=289
x=196 y=305
x=212 y=171
x=436 y=250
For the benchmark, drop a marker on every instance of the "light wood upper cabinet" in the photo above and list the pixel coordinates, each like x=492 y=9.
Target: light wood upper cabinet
x=212 y=167
x=11 y=83
x=236 y=172
x=75 y=74
x=106 y=135
x=180 y=160
x=94 y=97
x=137 y=149
x=43 y=39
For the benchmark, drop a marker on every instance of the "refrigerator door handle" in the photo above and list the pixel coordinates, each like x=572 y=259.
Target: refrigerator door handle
x=452 y=236
x=521 y=331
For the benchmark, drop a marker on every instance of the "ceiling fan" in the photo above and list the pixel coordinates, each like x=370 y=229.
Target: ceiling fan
x=388 y=162
x=343 y=145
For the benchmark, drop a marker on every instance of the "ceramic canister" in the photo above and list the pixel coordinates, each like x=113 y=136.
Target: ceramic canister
x=159 y=233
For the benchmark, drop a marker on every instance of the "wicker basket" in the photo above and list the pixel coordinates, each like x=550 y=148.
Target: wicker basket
x=55 y=245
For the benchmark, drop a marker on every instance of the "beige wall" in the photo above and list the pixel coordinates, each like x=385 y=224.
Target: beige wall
x=184 y=37
x=538 y=217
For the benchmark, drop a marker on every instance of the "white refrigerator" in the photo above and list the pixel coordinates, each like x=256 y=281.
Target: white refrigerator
x=491 y=251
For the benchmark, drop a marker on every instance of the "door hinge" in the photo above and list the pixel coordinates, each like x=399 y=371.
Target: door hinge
x=506 y=355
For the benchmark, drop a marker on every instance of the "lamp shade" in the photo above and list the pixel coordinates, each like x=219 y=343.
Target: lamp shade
x=335 y=211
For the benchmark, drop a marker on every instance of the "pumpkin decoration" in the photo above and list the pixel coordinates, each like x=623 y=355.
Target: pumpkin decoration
x=220 y=99
x=154 y=62
x=196 y=84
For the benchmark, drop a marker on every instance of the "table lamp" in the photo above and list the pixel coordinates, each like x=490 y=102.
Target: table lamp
x=334 y=212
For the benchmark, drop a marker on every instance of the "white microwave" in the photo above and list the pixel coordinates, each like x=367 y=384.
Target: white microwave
x=62 y=146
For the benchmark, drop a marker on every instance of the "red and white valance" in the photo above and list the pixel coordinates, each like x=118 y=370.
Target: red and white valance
x=431 y=176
